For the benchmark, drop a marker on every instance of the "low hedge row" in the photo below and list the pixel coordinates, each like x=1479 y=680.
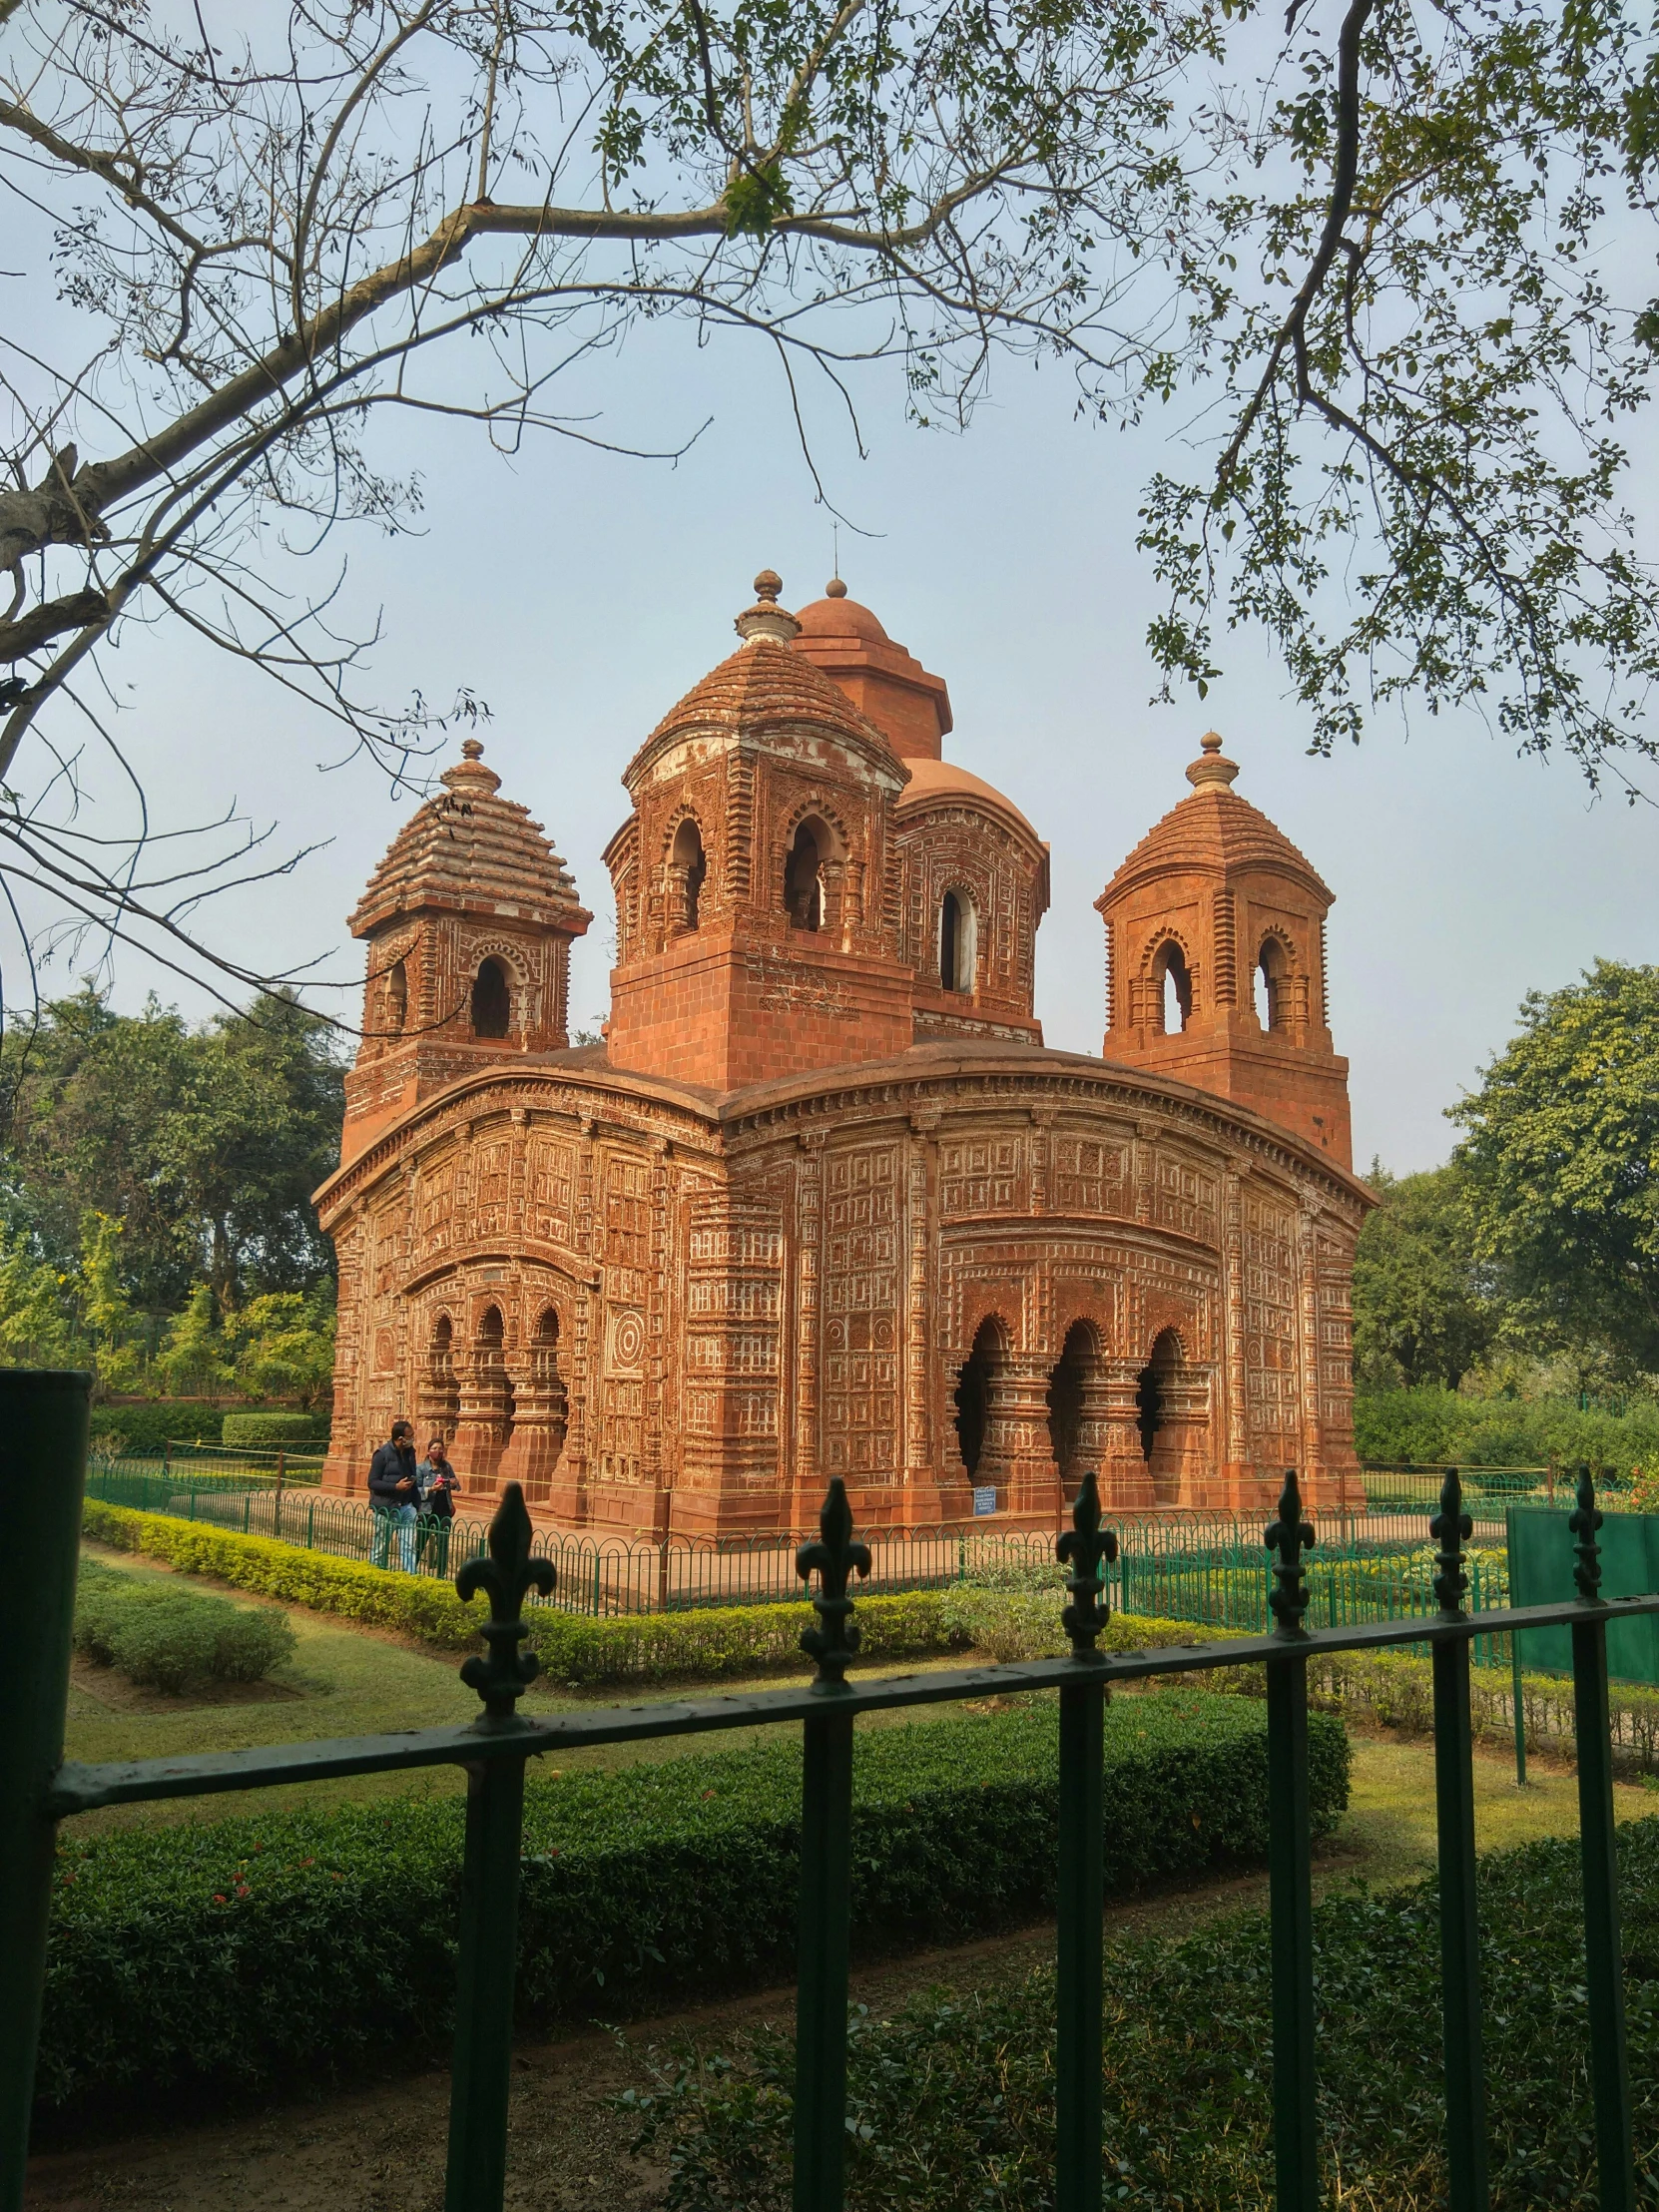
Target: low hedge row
x=156 y=1632
x=265 y=1432
x=576 y=1650
x=238 y=1955
x=950 y=2102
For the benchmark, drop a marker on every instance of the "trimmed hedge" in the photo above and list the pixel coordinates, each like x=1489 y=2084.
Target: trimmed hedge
x=265 y=1432
x=706 y=1642
x=238 y=1955
x=161 y=1634
x=950 y=2102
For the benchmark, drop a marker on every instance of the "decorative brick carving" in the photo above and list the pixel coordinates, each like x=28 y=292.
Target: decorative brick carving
x=810 y=1207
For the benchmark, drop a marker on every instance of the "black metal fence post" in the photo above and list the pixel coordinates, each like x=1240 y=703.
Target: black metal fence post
x=487 y=1970
x=1087 y=1548
x=825 y=1866
x=44 y=1417
x=1289 y=1870
x=1465 y=2094
x=1603 y=1953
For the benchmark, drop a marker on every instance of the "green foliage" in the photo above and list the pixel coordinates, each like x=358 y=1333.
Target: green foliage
x=203 y=1145
x=145 y=1426
x=156 y=1633
x=242 y=1954
x=265 y=1432
x=630 y=1647
x=1430 y=1427
x=951 y=2103
x=283 y=1344
x=1424 y=1310
x=1561 y=1155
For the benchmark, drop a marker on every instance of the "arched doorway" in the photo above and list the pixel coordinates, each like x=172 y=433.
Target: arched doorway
x=539 y=1413
x=1075 y=1404
x=1155 y=1390
x=486 y=1424
x=440 y=1398
x=974 y=1393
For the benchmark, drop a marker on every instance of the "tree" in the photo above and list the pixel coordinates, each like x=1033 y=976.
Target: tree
x=1424 y=1305
x=284 y=1345
x=1562 y=1160
x=204 y=1146
x=1378 y=280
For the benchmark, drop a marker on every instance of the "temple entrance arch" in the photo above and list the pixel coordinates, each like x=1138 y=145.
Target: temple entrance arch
x=1077 y=1408
x=486 y=1414
x=976 y=1391
x=540 y=1410
x=1172 y=1400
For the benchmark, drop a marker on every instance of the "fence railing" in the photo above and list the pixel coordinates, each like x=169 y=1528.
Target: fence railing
x=40 y=1483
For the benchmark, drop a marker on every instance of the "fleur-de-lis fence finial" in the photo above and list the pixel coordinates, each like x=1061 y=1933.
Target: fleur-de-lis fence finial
x=1452 y=1528
x=1290 y=1536
x=502 y=1671
x=1584 y=1520
x=833 y=1638
x=1087 y=1546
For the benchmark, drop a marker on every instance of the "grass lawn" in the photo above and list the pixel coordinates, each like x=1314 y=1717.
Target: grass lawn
x=349 y=1681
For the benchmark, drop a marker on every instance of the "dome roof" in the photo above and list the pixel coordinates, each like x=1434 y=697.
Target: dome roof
x=1217 y=832
x=837 y=616
x=474 y=852
x=766 y=685
x=882 y=679
x=936 y=782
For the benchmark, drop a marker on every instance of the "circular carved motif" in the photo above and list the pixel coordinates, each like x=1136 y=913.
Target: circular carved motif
x=628 y=1340
x=385 y=1350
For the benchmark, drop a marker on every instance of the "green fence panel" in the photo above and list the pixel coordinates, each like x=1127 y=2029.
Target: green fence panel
x=1541 y=1573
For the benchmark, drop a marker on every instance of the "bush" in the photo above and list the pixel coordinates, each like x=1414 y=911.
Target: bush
x=629 y=1647
x=154 y=1633
x=266 y=1431
x=951 y=2103
x=238 y=1954
x=1433 y=1428
x=146 y=1426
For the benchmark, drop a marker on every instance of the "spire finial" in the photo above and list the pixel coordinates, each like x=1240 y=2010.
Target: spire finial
x=835 y=589
x=472 y=749
x=1212 y=765
x=766 y=620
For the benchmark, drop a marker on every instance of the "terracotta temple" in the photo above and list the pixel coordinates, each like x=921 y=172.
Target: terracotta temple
x=823 y=1202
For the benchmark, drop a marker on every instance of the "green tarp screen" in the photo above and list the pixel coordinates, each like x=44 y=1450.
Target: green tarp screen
x=1541 y=1560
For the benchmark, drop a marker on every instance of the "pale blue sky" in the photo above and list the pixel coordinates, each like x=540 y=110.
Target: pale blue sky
x=580 y=594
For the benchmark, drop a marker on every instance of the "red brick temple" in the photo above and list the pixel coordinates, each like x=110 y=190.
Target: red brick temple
x=823 y=1202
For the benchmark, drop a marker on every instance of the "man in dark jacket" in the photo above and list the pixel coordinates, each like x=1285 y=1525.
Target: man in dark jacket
x=394 y=1493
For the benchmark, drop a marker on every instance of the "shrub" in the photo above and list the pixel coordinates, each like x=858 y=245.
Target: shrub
x=236 y=1954
x=154 y=1633
x=265 y=1432
x=951 y=2103
x=1431 y=1427
x=629 y=1647
x=146 y=1424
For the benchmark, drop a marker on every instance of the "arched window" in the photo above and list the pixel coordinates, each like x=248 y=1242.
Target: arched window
x=802 y=878
x=1273 y=985
x=957 y=947
x=1173 y=984
x=492 y=1002
x=688 y=867
x=975 y=1385
x=396 y=999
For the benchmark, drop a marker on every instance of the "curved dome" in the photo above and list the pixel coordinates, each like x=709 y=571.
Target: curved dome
x=936 y=782
x=1216 y=830
x=765 y=682
x=840 y=617
x=470 y=850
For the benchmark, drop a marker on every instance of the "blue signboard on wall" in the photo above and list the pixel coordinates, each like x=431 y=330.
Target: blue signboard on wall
x=984 y=1498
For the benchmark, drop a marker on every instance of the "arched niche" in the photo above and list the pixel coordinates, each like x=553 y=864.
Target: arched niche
x=492 y=999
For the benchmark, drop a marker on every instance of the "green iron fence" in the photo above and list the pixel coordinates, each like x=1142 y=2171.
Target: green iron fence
x=40 y=1498
x=1204 y=1568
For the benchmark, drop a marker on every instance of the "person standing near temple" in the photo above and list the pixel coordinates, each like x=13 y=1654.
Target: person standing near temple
x=438 y=1486
x=394 y=1493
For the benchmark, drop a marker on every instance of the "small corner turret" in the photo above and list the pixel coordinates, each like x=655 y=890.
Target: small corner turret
x=1215 y=961
x=469 y=921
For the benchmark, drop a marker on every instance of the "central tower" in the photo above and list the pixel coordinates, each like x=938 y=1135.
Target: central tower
x=756 y=878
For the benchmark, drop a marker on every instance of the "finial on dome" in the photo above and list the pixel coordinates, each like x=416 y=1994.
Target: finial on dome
x=469 y=773
x=1212 y=766
x=765 y=619
x=835 y=589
